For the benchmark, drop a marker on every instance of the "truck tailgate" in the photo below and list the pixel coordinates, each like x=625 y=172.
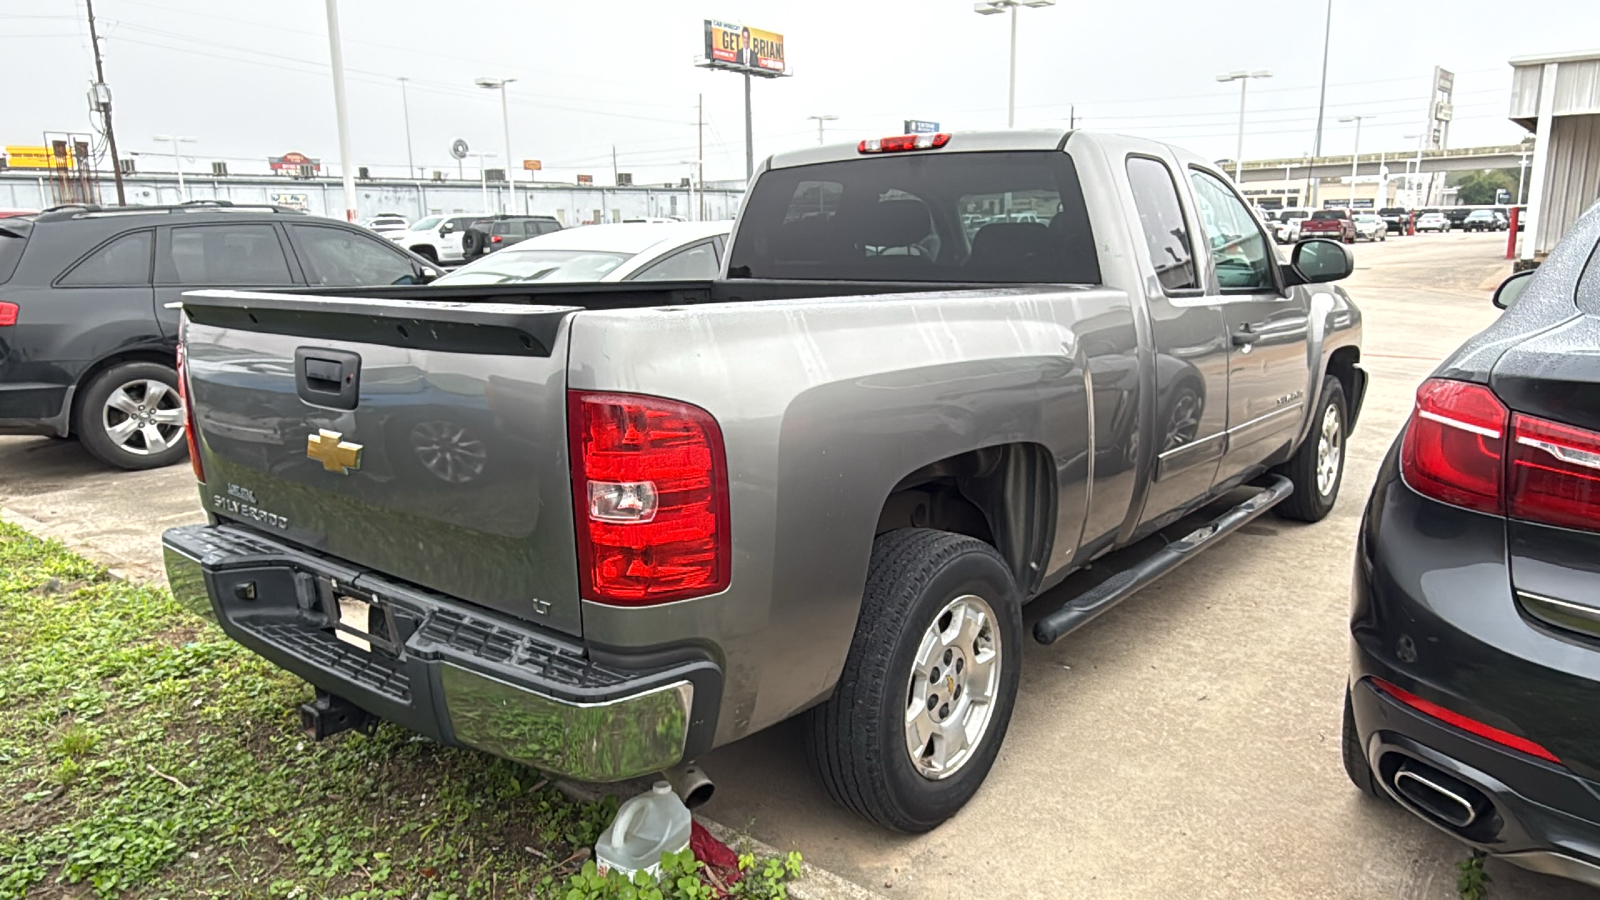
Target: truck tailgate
x=423 y=439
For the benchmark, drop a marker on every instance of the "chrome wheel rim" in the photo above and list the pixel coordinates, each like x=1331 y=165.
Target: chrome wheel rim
x=448 y=451
x=955 y=679
x=1330 y=448
x=143 y=417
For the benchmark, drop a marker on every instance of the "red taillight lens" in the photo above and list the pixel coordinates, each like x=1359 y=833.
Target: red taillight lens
x=1555 y=473
x=496 y=239
x=1488 y=732
x=8 y=314
x=1454 y=446
x=189 y=433
x=904 y=142
x=650 y=498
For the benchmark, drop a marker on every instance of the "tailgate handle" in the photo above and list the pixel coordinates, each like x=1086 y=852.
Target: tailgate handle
x=327 y=377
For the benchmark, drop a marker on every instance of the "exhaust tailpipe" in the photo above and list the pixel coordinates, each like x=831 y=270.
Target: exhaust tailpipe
x=692 y=785
x=1445 y=798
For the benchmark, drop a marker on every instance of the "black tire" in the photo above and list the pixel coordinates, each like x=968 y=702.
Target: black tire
x=427 y=253
x=857 y=740
x=98 y=420
x=472 y=243
x=1356 y=765
x=1309 y=502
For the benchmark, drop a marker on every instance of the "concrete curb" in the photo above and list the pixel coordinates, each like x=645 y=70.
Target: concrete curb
x=814 y=884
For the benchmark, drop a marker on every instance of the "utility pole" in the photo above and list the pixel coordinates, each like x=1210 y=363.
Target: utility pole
x=749 y=135
x=613 y=164
x=405 y=106
x=700 y=150
x=336 y=53
x=105 y=108
x=1072 y=116
x=1322 y=100
x=821 y=120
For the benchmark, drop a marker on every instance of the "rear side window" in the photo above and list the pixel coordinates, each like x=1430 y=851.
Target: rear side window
x=124 y=261
x=228 y=255
x=1155 y=195
x=13 y=238
x=1005 y=217
x=340 y=258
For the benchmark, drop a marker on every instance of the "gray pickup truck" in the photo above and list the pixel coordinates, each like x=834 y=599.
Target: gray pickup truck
x=601 y=529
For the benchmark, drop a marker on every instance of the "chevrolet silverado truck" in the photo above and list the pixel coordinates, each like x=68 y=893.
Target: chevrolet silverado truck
x=603 y=528
x=1332 y=224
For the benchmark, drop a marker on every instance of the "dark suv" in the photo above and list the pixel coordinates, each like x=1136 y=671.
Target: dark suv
x=498 y=232
x=87 y=341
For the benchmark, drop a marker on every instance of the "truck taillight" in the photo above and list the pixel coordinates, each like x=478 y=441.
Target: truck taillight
x=8 y=313
x=189 y=433
x=904 y=142
x=1463 y=447
x=650 y=498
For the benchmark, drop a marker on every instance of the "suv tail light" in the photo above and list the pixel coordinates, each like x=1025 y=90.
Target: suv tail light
x=1463 y=447
x=650 y=498
x=189 y=433
x=8 y=313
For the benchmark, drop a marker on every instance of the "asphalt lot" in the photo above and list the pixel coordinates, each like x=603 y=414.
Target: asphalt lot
x=1184 y=745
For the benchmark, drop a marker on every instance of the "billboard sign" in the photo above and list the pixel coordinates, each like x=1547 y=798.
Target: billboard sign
x=532 y=165
x=293 y=163
x=750 y=50
x=31 y=157
x=301 y=202
x=586 y=179
x=918 y=126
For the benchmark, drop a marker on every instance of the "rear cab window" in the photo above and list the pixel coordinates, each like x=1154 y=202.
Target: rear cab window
x=1166 y=234
x=992 y=217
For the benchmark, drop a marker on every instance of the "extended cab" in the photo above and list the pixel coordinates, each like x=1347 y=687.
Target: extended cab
x=1333 y=224
x=601 y=529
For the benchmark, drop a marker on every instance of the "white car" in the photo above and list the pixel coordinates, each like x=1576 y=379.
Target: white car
x=1286 y=227
x=670 y=251
x=1433 y=222
x=386 y=222
x=1371 y=228
x=436 y=238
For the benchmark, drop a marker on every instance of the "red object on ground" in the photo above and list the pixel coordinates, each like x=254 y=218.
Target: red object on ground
x=717 y=856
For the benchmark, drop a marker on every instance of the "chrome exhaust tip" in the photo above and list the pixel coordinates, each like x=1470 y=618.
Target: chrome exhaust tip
x=1441 y=796
x=692 y=785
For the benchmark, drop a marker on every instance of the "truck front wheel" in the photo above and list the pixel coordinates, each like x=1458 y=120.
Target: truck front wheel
x=1317 y=467
x=925 y=698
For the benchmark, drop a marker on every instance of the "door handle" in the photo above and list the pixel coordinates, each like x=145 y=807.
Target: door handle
x=1244 y=337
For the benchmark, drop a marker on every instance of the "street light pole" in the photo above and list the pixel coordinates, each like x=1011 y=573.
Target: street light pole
x=820 y=120
x=1322 y=102
x=1355 y=157
x=177 y=158
x=499 y=84
x=405 y=107
x=993 y=7
x=336 y=55
x=1416 y=184
x=1243 y=77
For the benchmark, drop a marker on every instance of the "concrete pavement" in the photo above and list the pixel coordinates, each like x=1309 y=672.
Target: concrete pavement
x=1184 y=745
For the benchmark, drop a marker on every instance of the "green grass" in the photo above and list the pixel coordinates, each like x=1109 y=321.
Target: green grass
x=145 y=754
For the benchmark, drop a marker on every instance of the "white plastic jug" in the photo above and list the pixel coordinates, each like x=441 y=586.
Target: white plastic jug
x=646 y=826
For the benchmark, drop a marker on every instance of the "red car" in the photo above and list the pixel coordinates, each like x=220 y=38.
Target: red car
x=1334 y=224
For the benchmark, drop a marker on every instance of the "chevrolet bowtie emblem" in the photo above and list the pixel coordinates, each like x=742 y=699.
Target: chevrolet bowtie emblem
x=335 y=454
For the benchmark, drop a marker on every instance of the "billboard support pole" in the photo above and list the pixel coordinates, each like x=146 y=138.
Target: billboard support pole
x=700 y=151
x=749 y=135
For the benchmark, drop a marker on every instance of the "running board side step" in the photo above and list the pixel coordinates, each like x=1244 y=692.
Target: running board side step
x=1082 y=609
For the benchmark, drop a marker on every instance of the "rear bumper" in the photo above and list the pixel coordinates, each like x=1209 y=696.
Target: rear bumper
x=451 y=671
x=32 y=408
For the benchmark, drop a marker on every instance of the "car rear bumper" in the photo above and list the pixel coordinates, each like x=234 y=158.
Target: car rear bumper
x=31 y=408
x=446 y=669
x=1435 y=616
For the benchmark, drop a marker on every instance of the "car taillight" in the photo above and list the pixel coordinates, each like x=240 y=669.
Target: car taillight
x=1454 y=447
x=8 y=313
x=496 y=239
x=1555 y=473
x=189 y=433
x=650 y=498
x=1463 y=447
x=904 y=142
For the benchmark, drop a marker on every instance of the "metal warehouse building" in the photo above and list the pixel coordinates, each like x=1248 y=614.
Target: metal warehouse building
x=1557 y=97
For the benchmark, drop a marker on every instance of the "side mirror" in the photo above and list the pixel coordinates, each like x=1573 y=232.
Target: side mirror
x=447 y=227
x=1317 y=261
x=1510 y=289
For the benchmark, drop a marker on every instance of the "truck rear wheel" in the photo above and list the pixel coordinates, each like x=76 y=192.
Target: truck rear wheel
x=1317 y=467
x=926 y=695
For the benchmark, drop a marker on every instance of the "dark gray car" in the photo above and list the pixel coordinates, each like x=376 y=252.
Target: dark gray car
x=940 y=375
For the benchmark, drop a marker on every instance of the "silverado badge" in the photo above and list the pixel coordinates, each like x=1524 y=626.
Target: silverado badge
x=335 y=454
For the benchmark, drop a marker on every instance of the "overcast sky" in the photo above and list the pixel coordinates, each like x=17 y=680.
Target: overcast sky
x=251 y=80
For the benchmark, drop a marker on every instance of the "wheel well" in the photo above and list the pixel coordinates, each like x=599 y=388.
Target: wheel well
x=1342 y=365
x=1003 y=495
x=150 y=355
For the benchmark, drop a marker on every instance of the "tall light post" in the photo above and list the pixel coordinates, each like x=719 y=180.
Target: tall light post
x=405 y=107
x=1416 y=185
x=1243 y=77
x=1355 y=156
x=336 y=58
x=177 y=158
x=993 y=7
x=499 y=84
x=820 y=121
x=694 y=165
